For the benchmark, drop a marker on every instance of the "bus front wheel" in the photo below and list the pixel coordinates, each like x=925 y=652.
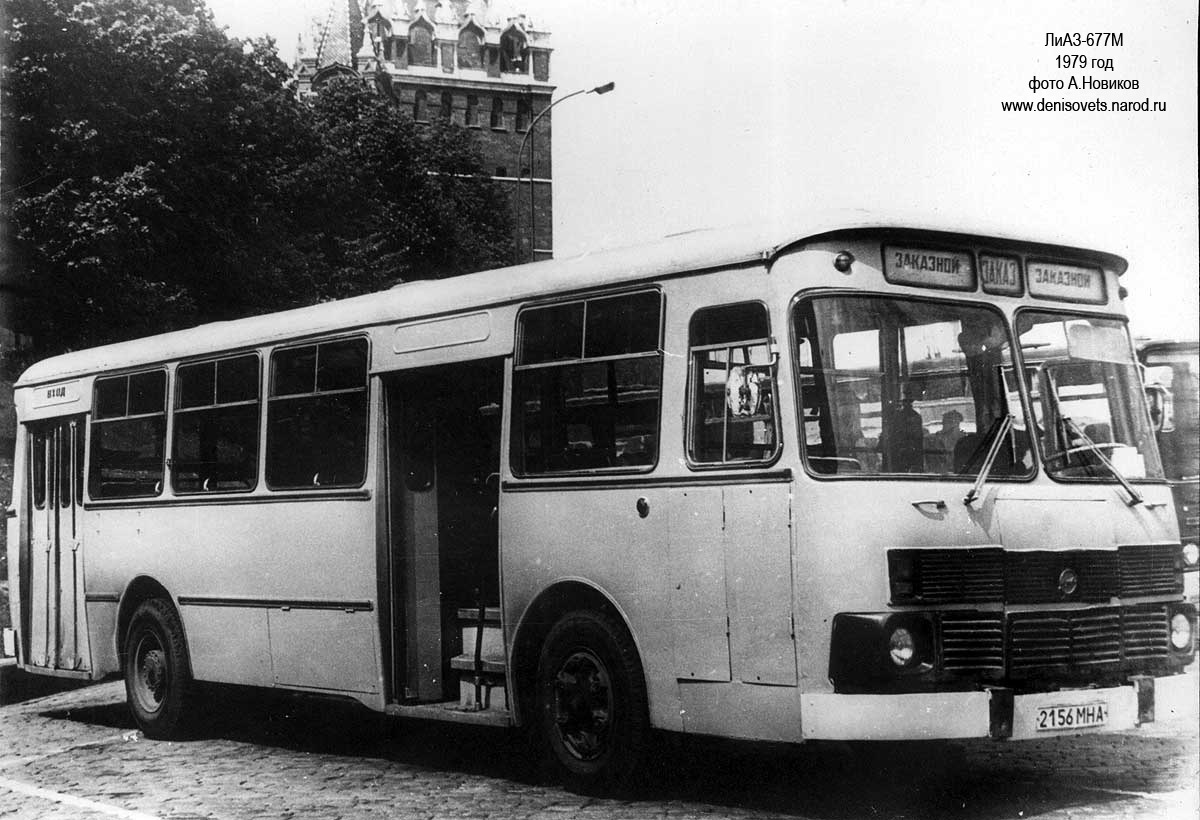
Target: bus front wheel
x=592 y=702
x=157 y=673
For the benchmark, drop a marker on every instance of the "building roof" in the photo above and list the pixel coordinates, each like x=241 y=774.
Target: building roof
x=678 y=253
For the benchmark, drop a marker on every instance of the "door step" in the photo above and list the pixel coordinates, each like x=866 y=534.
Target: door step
x=489 y=693
x=450 y=711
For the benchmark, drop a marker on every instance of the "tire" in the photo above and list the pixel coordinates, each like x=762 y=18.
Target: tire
x=592 y=707
x=158 y=677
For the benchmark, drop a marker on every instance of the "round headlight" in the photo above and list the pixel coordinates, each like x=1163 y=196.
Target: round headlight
x=1181 y=631
x=902 y=649
x=1191 y=554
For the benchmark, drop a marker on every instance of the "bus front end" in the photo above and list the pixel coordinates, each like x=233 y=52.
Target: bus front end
x=986 y=508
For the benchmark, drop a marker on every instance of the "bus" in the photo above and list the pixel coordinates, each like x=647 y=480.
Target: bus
x=1172 y=373
x=867 y=479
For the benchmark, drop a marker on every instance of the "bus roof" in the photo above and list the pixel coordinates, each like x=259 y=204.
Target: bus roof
x=676 y=253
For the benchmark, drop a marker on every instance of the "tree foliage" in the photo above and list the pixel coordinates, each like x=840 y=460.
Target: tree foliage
x=159 y=174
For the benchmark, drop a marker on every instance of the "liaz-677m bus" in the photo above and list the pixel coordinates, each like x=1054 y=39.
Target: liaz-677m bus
x=866 y=481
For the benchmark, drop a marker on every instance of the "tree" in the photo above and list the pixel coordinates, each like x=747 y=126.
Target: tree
x=399 y=200
x=158 y=174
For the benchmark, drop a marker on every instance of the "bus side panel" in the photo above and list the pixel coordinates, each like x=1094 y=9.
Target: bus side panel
x=758 y=560
x=345 y=644
x=229 y=644
x=232 y=568
x=699 y=614
x=102 y=637
x=598 y=535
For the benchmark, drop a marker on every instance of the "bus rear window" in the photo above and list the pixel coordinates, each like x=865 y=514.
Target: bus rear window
x=317 y=416
x=128 y=436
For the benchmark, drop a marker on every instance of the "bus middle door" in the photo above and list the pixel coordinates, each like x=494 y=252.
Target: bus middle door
x=57 y=618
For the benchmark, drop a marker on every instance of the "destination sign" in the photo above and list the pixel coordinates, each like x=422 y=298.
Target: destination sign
x=1000 y=275
x=929 y=268
x=65 y=393
x=1066 y=283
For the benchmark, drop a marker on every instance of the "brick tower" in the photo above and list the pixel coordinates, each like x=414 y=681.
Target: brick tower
x=481 y=65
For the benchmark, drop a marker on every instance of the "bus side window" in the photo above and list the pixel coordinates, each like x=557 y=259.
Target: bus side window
x=215 y=443
x=733 y=415
x=588 y=385
x=129 y=428
x=317 y=416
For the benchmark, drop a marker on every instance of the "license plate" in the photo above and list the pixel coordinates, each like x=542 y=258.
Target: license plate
x=1081 y=716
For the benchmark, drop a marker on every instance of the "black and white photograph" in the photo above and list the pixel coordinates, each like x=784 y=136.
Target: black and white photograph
x=613 y=409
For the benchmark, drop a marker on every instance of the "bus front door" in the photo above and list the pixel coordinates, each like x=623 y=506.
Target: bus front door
x=57 y=623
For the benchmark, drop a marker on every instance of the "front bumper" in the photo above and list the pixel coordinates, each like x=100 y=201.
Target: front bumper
x=997 y=713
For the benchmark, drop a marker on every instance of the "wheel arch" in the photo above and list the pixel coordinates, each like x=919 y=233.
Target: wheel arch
x=543 y=612
x=140 y=589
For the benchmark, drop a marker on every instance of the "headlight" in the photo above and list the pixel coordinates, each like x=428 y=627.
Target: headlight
x=1191 y=555
x=902 y=649
x=1181 y=631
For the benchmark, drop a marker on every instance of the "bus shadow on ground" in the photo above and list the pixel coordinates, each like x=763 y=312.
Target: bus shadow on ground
x=836 y=781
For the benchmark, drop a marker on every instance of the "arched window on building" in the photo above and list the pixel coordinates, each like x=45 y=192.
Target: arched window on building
x=513 y=52
x=420 y=107
x=524 y=114
x=470 y=48
x=472 y=115
x=420 y=45
x=381 y=36
x=498 y=113
x=447 y=106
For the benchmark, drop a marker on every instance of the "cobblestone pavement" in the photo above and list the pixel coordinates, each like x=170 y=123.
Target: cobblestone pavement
x=77 y=755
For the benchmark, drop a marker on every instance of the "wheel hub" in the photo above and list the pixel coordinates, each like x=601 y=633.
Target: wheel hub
x=152 y=675
x=583 y=705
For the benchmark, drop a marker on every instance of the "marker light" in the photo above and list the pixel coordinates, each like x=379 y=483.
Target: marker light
x=902 y=649
x=843 y=261
x=1181 y=631
x=1191 y=555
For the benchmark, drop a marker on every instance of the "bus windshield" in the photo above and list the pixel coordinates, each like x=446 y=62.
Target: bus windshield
x=1087 y=397
x=905 y=386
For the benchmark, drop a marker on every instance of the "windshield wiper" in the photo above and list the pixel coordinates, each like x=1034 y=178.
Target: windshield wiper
x=998 y=434
x=1088 y=445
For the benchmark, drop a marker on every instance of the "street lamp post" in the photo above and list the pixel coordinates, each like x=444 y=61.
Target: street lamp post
x=600 y=89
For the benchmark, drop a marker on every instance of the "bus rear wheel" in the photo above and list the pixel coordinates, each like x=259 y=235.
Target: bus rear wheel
x=158 y=678
x=592 y=702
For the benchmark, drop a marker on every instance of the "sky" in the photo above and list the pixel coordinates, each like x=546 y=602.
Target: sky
x=755 y=112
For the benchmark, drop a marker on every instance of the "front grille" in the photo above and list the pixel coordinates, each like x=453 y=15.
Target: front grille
x=1088 y=637
x=1146 y=631
x=972 y=641
x=1082 y=638
x=969 y=576
x=1034 y=577
x=991 y=575
x=1026 y=643
x=1150 y=570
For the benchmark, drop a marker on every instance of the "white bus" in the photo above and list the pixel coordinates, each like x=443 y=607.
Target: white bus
x=870 y=480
